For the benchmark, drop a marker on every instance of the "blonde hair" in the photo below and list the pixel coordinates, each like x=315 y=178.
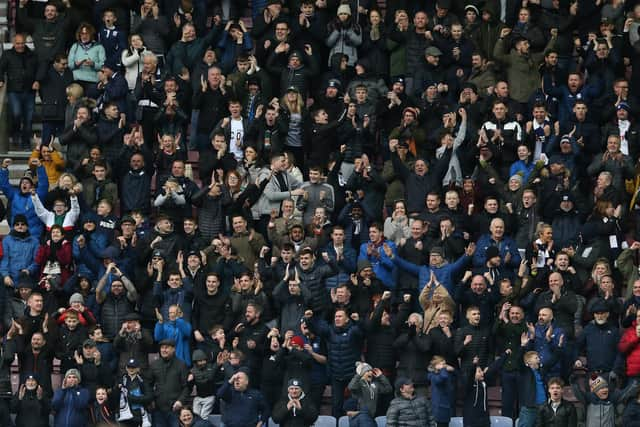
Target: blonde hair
x=435 y=361
x=293 y=107
x=528 y=355
x=75 y=90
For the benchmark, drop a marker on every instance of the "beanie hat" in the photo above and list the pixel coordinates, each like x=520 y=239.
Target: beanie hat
x=492 y=252
x=402 y=381
x=198 y=355
x=75 y=372
x=297 y=340
x=363 y=263
x=362 y=368
x=344 y=8
x=77 y=297
x=597 y=383
x=20 y=218
x=294 y=382
x=437 y=250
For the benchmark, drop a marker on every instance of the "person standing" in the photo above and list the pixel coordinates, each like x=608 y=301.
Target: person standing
x=20 y=65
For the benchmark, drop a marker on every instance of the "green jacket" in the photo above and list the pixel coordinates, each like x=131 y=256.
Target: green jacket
x=521 y=68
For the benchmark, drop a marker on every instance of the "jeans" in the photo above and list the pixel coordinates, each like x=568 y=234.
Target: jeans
x=203 y=406
x=528 y=417
x=21 y=107
x=363 y=419
x=509 y=394
x=51 y=129
x=164 y=419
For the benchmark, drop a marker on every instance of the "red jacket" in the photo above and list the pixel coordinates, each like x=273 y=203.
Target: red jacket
x=630 y=346
x=64 y=257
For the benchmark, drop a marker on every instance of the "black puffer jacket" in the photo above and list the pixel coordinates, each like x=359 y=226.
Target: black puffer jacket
x=479 y=346
x=113 y=311
x=344 y=347
x=20 y=69
x=564 y=415
x=313 y=280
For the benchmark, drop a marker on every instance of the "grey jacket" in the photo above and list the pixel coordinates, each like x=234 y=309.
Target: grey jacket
x=273 y=195
x=367 y=393
x=415 y=412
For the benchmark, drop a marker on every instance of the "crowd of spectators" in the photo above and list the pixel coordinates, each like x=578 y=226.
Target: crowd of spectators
x=236 y=208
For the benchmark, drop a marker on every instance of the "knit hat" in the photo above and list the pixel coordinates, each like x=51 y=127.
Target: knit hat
x=436 y=250
x=294 y=382
x=362 y=368
x=20 y=218
x=344 y=8
x=492 y=252
x=297 y=340
x=597 y=383
x=410 y=110
x=75 y=372
x=198 y=355
x=623 y=106
x=473 y=8
x=516 y=177
x=599 y=306
x=77 y=297
x=402 y=381
x=362 y=264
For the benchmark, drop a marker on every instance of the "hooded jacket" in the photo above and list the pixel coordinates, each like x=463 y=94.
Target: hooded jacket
x=20 y=203
x=19 y=253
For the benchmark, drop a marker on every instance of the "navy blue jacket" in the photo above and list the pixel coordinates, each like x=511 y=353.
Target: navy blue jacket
x=114 y=42
x=244 y=409
x=601 y=343
x=344 y=347
x=70 y=406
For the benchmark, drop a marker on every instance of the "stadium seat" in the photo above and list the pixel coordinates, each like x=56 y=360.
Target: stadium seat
x=381 y=421
x=325 y=421
x=497 y=421
x=272 y=423
x=343 y=421
x=456 y=422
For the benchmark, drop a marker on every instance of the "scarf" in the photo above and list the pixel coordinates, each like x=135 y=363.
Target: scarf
x=86 y=46
x=300 y=398
x=55 y=247
x=20 y=234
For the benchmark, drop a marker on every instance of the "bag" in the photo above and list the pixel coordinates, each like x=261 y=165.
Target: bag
x=124 y=413
x=52 y=268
